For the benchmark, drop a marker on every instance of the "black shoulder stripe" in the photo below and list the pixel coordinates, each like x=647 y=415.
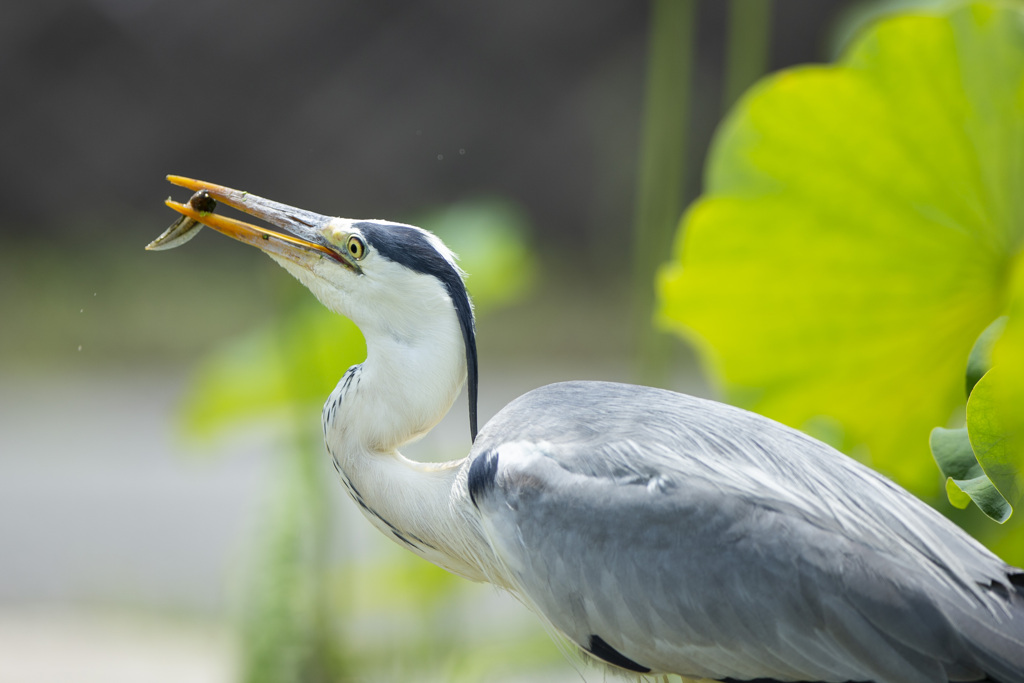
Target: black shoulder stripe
x=607 y=653
x=482 y=474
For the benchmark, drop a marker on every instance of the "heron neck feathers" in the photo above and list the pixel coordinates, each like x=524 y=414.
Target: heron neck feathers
x=419 y=506
x=406 y=386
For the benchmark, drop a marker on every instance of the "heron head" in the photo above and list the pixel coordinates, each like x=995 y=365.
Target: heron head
x=392 y=280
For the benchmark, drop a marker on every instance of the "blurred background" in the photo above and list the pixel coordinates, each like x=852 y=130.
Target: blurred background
x=143 y=538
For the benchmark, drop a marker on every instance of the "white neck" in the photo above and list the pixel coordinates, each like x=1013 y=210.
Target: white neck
x=405 y=386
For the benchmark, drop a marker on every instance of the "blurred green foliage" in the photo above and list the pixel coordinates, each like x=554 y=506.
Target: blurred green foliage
x=297 y=626
x=288 y=629
x=861 y=225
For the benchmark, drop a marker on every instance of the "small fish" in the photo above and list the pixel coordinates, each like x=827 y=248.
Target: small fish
x=184 y=228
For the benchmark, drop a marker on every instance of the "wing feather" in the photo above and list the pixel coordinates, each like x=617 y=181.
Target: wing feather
x=695 y=538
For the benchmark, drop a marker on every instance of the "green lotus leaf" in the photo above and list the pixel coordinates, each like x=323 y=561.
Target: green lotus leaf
x=966 y=481
x=857 y=233
x=980 y=360
x=995 y=409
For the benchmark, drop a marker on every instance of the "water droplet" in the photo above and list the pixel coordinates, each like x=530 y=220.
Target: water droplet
x=440 y=157
x=462 y=152
x=79 y=347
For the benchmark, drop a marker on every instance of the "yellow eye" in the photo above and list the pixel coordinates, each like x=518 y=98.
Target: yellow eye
x=356 y=248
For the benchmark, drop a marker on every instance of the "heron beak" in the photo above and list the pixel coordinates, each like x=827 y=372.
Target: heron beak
x=305 y=245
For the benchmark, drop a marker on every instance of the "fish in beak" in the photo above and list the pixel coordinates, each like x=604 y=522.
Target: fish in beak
x=303 y=244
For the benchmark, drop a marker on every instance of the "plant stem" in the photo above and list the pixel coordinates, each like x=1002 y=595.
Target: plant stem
x=749 y=38
x=663 y=172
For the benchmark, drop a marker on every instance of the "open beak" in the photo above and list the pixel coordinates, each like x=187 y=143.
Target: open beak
x=303 y=246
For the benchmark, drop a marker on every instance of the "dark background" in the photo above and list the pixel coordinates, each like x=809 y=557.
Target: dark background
x=364 y=109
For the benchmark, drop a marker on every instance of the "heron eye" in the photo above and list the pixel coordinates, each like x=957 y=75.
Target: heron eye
x=356 y=247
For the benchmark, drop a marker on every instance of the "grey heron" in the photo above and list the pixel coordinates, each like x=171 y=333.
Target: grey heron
x=659 y=532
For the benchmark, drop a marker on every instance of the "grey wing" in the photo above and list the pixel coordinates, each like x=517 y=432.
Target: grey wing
x=670 y=534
